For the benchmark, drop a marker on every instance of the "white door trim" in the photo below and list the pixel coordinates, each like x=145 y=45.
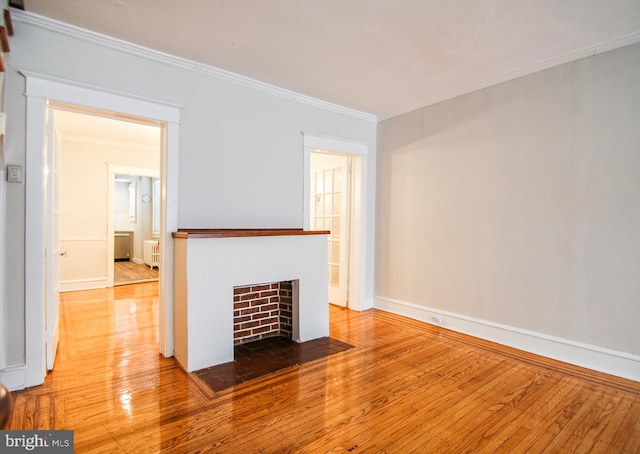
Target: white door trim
x=40 y=89
x=359 y=151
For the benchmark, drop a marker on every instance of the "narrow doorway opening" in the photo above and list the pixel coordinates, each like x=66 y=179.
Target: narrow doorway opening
x=331 y=209
x=133 y=206
x=350 y=157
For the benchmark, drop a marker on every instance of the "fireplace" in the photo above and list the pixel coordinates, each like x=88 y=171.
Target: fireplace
x=261 y=311
x=210 y=265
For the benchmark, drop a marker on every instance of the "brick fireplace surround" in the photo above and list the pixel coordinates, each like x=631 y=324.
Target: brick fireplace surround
x=210 y=265
x=261 y=311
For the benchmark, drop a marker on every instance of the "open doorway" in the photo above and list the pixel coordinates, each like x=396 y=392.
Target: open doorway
x=330 y=209
x=136 y=208
x=334 y=199
x=93 y=191
x=44 y=92
x=106 y=212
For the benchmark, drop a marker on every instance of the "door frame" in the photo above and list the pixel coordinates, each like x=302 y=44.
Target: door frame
x=52 y=239
x=40 y=90
x=357 y=259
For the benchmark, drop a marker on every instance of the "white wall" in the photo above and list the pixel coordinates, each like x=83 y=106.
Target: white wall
x=3 y=330
x=519 y=205
x=4 y=250
x=240 y=162
x=3 y=180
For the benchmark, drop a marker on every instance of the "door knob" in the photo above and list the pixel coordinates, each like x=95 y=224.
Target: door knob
x=63 y=253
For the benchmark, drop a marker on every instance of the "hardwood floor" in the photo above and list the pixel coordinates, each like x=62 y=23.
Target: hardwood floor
x=125 y=273
x=405 y=387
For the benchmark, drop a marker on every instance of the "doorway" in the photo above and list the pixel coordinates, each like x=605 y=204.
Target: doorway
x=338 y=163
x=136 y=206
x=107 y=169
x=99 y=204
x=330 y=209
x=43 y=92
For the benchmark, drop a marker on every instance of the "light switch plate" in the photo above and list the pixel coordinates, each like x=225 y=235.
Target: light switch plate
x=14 y=173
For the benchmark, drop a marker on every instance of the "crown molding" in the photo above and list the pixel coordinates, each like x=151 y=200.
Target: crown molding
x=157 y=56
x=588 y=51
x=63 y=28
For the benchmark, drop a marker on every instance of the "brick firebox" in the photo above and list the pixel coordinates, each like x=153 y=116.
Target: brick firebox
x=261 y=311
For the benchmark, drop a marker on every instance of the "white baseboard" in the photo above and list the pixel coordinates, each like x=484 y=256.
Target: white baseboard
x=601 y=359
x=367 y=303
x=14 y=377
x=137 y=261
x=83 y=284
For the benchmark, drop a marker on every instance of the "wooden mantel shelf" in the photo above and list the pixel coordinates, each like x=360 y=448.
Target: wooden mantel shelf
x=230 y=233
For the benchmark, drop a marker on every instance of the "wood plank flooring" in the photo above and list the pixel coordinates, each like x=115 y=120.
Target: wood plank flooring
x=125 y=273
x=405 y=387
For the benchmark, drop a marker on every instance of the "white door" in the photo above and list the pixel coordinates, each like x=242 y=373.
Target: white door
x=329 y=211
x=52 y=240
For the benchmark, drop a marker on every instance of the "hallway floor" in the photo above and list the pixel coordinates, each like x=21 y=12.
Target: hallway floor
x=125 y=273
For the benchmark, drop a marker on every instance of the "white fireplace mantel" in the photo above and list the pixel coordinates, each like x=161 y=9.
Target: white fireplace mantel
x=209 y=263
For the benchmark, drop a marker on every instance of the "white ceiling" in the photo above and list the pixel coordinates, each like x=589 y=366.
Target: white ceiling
x=382 y=57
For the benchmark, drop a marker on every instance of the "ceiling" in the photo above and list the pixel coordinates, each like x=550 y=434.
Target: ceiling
x=382 y=57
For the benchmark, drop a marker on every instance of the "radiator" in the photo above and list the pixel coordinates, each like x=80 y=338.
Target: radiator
x=151 y=254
